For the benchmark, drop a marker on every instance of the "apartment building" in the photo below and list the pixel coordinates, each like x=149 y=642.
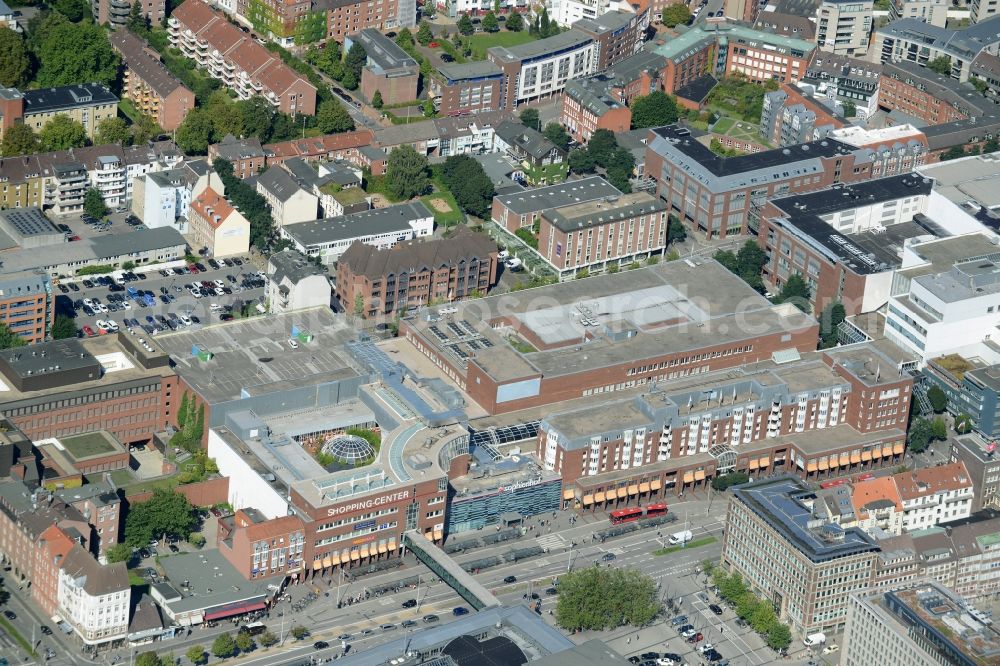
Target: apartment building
x=721 y=197
x=261 y=548
x=537 y=70
x=344 y=146
x=470 y=87
x=933 y=98
x=844 y=26
x=230 y=55
x=148 y=84
x=683 y=432
x=115 y=13
x=587 y=107
x=981 y=10
x=944 y=297
x=387 y=282
x=617 y=34
x=978 y=453
x=289 y=202
x=246 y=155
x=94 y=598
x=789 y=117
x=597 y=235
x=808 y=567
x=523 y=209
x=915 y=625
x=389 y=70
x=87 y=104
x=161 y=199
x=99 y=503
x=845 y=242
x=914 y=40
x=381 y=227
x=214 y=223
x=348 y=17
x=762 y=56
x=934 y=495
x=845 y=79
x=932 y=12
x=296 y=283
x=27 y=304
x=54 y=544
x=285 y=23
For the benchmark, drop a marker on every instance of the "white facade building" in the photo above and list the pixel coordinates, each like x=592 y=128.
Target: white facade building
x=162 y=199
x=94 y=598
x=247 y=488
x=935 y=495
x=296 y=283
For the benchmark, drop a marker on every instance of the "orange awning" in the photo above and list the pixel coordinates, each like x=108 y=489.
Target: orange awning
x=326 y=562
x=633 y=490
x=754 y=464
x=811 y=467
x=336 y=559
x=364 y=551
x=317 y=565
x=568 y=494
x=855 y=458
x=382 y=548
x=688 y=477
x=824 y=464
x=438 y=535
x=876 y=452
x=588 y=499
x=699 y=475
x=886 y=451
x=897 y=448
x=355 y=556
x=845 y=460
x=765 y=461
x=611 y=494
x=392 y=545
x=866 y=456
x=644 y=487
x=655 y=484
x=599 y=497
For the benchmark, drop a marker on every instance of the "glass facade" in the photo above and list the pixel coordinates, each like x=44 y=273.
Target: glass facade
x=472 y=512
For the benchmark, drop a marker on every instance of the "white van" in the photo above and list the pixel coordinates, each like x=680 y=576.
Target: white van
x=814 y=639
x=680 y=537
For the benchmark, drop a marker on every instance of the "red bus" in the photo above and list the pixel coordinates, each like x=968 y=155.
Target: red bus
x=863 y=477
x=625 y=515
x=834 y=483
x=654 y=510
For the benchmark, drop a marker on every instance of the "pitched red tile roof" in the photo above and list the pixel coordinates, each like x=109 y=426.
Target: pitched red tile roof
x=320 y=145
x=195 y=15
x=932 y=480
x=213 y=207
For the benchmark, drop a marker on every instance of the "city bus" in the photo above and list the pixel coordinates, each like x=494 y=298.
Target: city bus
x=654 y=510
x=625 y=515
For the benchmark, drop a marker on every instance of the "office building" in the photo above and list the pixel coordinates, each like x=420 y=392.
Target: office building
x=411 y=275
x=617 y=34
x=931 y=97
x=916 y=41
x=540 y=69
x=471 y=87
x=978 y=453
x=389 y=70
x=148 y=84
x=762 y=56
x=523 y=209
x=808 y=567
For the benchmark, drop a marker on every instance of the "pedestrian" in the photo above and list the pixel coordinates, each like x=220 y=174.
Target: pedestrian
x=628 y=641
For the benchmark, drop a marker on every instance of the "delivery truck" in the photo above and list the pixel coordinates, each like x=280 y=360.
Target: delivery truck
x=680 y=537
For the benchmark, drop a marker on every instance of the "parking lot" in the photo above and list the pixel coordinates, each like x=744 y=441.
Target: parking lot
x=161 y=299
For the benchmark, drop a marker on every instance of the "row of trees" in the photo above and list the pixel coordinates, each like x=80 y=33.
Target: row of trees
x=345 y=68
x=603 y=151
x=472 y=188
x=63 y=133
x=167 y=513
x=190 y=424
x=759 y=613
x=251 y=205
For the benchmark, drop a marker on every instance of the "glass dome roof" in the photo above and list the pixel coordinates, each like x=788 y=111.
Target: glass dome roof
x=349 y=448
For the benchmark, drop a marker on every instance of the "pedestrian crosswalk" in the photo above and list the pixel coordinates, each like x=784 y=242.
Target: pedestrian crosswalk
x=551 y=542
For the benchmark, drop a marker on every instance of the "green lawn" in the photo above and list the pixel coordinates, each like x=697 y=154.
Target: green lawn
x=484 y=40
x=444 y=218
x=547 y=175
x=88 y=445
x=9 y=629
x=694 y=543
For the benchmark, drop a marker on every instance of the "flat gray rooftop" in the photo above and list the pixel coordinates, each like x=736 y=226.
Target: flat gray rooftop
x=250 y=354
x=970 y=179
x=942 y=254
x=212 y=581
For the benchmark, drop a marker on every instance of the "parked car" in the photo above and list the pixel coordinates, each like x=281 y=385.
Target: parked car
x=715 y=608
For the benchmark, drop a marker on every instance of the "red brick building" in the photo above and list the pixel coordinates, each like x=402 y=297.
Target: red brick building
x=148 y=84
x=618 y=34
x=389 y=70
x=347 y=17
x=344 y=146
x=53 y=545
x=587 y=107
x=471 y=87
x=246 y=155
x=411 y=275
x=933 y=98
x=524 y=209
x=261 y=548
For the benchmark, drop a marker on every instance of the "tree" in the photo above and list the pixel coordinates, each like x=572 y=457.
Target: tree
x=580 y=161
x=356 y=59
x=19 y=139
x=424 y=34
x=195 y=134
x=63 y=327
x=428 y=108
x=953 y=153
x=404 y=39
x=602 y=143
x=605 y=598
x=350 y=80
x=299 y=632
x=224 y=646
x=148 y=659
x=779 y=636
x=676 y=232
x=963 y=423
x=74 y=10
x=534 y=28
x=182 y=410
x=332 y=118
x=468 y=182
x=850 y=109
x=137 y=21
x=557 y=134
x=722 y=483
x=490 y=22
x=93 y=204
x=73 y=53
x=120 y=552
x=829 y=320
x=377 y=99
x=677 y=14
x=465 y=26
x=113 y=130
x=406 y=172
x=939 y=430
x=529 y=118
x=144 y=129
x=515 y=22
x=167 y=513
x=941 y=65
x=544 y=25
x=196 y=654
x=9 y=339
x=938 y=399
x=62 y=133
x=244 y=642
x=15 y=65
x=991 y=146
x=267 y=639
x=795 y=291
x=919 y=435
x=655 y=109
x=196 y=540
x=257 y=116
